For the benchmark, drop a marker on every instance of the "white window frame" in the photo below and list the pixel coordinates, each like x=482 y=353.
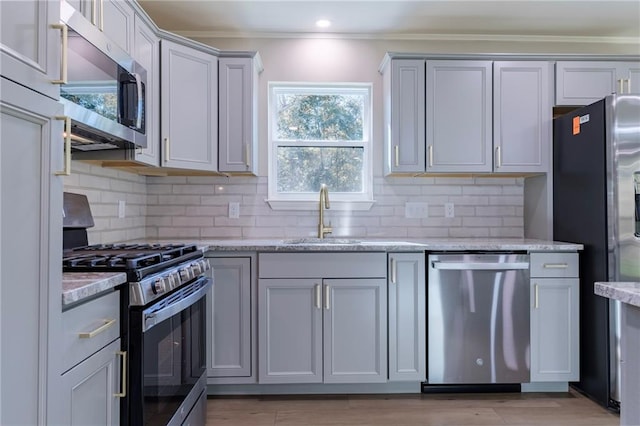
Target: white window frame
x=309 y=200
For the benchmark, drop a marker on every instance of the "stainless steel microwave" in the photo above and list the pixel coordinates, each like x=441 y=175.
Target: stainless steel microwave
x=104 y=89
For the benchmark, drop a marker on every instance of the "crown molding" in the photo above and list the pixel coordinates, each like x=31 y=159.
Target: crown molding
x=418 y=37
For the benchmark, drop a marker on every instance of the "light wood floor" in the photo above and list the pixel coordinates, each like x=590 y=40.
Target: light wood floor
x=547 y=409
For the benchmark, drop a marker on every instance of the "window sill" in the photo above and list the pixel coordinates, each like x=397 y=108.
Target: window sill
x=360 y=205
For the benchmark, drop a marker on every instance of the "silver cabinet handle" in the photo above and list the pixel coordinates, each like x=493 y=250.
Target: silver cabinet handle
x=123 y=377
x=430 y=155
x=621 y=85
x=318 y=297
x=498 y=157
x=326 y=296
x=101 y=15
x=555 y=265
x=479 y=266
x=396 y=154
x=93 y=333
x=65 y=50
x=628 y=85
x=536 y=300
x=66 y=171
x=393 y=271
x=247 y=156
x=166 y=150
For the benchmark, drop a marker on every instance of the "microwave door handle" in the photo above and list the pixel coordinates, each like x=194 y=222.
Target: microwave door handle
x=140 y=104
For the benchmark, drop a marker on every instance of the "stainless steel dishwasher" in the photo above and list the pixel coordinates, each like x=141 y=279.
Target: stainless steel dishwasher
x=478 y=318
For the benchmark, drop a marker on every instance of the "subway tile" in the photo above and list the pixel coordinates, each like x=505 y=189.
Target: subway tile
x=468 y=232
x=235 y=232
x=190 y=221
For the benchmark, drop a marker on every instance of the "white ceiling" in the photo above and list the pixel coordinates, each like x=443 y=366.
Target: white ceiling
x=617 y=21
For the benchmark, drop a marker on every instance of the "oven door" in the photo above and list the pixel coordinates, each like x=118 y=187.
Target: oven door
x=172 y=363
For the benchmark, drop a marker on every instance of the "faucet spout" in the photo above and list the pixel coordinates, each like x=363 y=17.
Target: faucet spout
x=324 y=204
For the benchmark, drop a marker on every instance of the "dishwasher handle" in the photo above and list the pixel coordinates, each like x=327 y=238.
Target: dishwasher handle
x=479 y=266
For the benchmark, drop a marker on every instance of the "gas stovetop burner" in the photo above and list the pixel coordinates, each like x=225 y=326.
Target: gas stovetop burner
x=137 y=260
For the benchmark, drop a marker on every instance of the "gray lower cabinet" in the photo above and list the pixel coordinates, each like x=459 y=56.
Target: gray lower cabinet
x=89 y=389
x=31 y=149
x=189 y=107
x=92 y=377
x=554 y=317
x=585 y=82
x=407 y=317
x=231 y=338
x=322 y=331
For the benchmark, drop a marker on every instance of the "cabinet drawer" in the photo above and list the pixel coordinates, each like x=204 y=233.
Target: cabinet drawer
x=322 y=265
x=89 y=327
x=554 y=265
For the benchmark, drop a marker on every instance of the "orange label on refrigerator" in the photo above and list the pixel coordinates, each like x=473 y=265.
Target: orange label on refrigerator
x=576 y=125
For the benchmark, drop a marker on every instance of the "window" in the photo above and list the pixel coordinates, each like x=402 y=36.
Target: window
x=319 y=134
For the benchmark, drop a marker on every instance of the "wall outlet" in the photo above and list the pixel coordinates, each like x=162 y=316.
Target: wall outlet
x=448 y=210
x=234 y=210
x=121 y=209
x=416 y=210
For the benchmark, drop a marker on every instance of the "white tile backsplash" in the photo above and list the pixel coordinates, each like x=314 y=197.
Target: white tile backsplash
x=197 y=207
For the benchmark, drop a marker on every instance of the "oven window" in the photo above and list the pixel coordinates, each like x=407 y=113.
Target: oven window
x=174 y=359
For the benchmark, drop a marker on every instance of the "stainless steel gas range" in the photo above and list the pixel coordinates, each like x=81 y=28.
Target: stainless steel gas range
x=163 y=327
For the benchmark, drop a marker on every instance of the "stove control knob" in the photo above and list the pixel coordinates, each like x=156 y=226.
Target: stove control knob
x=175 y=279
x=158 y=286
x=205 y=265
x=185 y=274
x=197 y=269
x=171 y=280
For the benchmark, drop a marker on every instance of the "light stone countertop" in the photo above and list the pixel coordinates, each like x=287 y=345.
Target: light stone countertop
x=309 y=244
x=77 y=286
x=626 y=292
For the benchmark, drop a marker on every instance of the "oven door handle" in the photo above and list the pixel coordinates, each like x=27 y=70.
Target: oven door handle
x=151 y=317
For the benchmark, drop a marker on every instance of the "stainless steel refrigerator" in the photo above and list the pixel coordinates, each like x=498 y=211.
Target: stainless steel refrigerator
x=596 y=202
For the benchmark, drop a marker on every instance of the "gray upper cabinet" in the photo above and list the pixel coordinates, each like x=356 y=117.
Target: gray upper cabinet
x=407 y=317
x=459 y=116
x=113 y=17
x=585 y=82
x=404 y=115
x=189 y=107
x=230 y=333
x=146 y=51
x=31 y=50
x=238 y=114
x=117 y=22
x=522 y=116
x=30 y=285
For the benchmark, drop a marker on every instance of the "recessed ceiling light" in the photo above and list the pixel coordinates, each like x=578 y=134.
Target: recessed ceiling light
x=323 y=23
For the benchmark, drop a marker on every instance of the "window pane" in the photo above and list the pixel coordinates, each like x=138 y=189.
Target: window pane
x=320 y=117
x=304 y=169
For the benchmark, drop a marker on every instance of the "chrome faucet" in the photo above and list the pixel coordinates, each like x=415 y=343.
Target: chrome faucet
x=324 y=204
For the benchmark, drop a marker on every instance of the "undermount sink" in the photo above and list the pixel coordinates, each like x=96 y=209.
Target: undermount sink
x=312 y=240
